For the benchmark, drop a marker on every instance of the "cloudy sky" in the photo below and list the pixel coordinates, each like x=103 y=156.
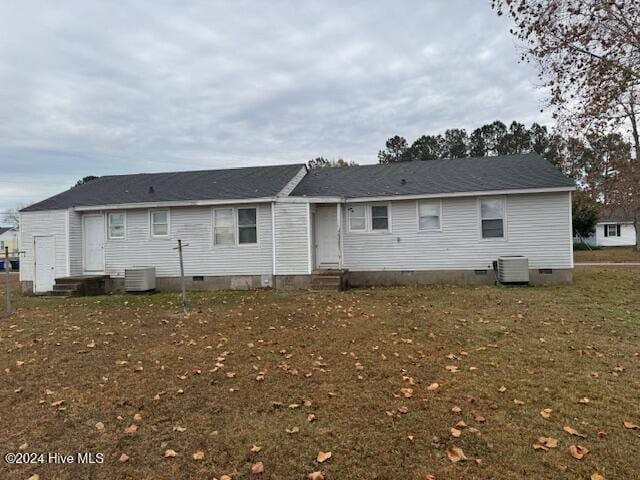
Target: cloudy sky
x=94 y=88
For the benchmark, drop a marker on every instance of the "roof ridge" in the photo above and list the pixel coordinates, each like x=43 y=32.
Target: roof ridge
x=173 y=172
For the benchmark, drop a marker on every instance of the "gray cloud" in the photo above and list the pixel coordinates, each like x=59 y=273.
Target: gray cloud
x=117 y=87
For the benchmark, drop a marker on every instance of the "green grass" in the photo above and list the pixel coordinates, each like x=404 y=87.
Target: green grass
x=607 y=254
x=349 y=354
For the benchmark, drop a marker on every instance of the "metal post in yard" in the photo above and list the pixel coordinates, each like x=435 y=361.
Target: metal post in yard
x=7 y=269
x=182 y=281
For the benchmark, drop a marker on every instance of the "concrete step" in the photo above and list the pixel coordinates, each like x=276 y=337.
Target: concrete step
x=80 y=285
x=328 y=280
x=62 y=292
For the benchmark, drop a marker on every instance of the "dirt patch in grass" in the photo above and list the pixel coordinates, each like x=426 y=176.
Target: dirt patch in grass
x=607 y=254
x=248 y=369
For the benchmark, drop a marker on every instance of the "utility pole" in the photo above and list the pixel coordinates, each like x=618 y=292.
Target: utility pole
x=182 y=281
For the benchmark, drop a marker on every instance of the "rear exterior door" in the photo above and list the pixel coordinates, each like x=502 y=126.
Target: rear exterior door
x=45 y=264
x=93 y=243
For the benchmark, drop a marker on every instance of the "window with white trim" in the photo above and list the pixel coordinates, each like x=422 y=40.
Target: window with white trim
x=368 y=218
x=379 y=217
x=247 y=226
x=223 y=227
x=492 y=211
x=612 y=229
x=117 y=228
x=429 y=215
x=160 y=223
x=358 y=218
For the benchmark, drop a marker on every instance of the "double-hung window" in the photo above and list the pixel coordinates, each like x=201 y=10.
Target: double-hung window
x=247 y=226
x=223 y=227
x=117 y=225
x=612 y=230
x=160 y=223
x=379 y=218
x=358 y=218
x=235 y=226
x=368 y=218
x=492 y=213
x=429 y=215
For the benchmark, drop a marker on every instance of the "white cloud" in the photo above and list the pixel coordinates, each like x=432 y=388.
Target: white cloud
x=97 y=87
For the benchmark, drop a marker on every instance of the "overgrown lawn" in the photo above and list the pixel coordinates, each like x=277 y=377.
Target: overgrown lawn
x=247 y=369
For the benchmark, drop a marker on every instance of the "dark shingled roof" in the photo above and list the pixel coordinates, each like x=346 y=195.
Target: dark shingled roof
x=614 y=214
x=229 y=184
x=507 y=172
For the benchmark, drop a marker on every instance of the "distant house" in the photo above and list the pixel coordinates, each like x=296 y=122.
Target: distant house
x=414 y=222
x=9 y=237
x=614 y=229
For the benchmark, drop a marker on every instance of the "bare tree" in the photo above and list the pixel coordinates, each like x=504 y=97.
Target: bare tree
x=11 y=218
x=588 y=54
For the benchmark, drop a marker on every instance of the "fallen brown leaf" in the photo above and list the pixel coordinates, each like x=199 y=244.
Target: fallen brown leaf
x=323 y=456
x=573 y=431
x=578 y=451
x=198 y=455
x=315 y=476
x=456 y=454
x=257 y=468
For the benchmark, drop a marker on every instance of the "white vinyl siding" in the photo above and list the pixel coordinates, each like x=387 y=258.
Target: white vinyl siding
x=292 y=256
x=194 y=226
x=537 y=225
x=44 y=223
x=75 y=243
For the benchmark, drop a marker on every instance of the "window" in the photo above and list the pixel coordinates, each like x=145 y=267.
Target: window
x=612 y=230
x=247 y=226
x=116 y=225
x=223 y=228
x=358 y=218
x=160 y=223
x=379 y=217
x=492 y=215
x=369 y=218
x=429 y=215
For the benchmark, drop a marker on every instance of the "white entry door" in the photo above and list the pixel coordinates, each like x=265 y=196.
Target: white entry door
x=326 y=236
x=93 y=243
x=45 y=264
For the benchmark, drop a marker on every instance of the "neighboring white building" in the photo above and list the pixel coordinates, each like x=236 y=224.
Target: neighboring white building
x=9 y=238
x=614 y=229
x=414 y=222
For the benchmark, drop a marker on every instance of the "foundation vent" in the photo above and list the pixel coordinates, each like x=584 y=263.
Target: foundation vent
x=513 y=270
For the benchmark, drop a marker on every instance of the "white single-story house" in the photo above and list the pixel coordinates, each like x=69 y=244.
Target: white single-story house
x=614 y=229
x=9 y=238
x=414 y=222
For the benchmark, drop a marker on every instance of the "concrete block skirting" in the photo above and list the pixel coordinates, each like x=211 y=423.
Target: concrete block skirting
x=456 y=277
x=353 y=279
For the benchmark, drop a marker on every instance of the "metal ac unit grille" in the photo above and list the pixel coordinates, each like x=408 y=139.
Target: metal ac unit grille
x=514 y=269
x=139 y=279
